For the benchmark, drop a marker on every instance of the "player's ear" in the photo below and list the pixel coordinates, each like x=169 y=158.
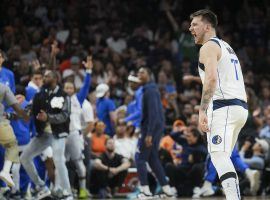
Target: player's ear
x=208 y=27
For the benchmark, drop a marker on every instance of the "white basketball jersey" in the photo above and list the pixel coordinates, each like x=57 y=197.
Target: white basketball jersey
x=230 y=83
x=75 y=115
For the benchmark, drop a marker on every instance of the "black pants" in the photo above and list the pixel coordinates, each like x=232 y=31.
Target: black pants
x=185 y=179
x=100 y=179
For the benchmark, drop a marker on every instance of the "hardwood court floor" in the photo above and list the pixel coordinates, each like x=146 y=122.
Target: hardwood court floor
x=222 y=198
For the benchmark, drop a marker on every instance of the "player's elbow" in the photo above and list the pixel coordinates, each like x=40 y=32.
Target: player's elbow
x=212 y=79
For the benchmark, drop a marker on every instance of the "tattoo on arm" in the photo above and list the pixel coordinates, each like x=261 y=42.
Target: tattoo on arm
x=206 y=97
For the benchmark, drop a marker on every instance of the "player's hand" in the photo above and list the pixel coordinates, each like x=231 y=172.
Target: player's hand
x=89 y=63
x=148 y=141
x=42 y=116
x=35 y=63
x=203 y=122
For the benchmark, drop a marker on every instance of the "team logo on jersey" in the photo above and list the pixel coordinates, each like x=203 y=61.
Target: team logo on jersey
x=216 y=139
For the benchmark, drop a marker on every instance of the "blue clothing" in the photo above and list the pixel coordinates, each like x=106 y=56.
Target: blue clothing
x=149 y=155
x=82 y=94
x=131 y=107
x=30 y=93
x=265 y=132
x=211 y=173
x=152 y=124
x=104 y=107
x=198 y=151
x=7 y=78
x=135 y=108
x=153 y=121
x=20 y=127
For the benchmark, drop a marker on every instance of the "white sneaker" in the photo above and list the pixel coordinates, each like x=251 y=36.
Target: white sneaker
x=70 y=197
x=196 y=192
x=144 y=196
x=167 y=192
x=7 y=179
x=207 y=191
x=254 y=180
x=43 y=192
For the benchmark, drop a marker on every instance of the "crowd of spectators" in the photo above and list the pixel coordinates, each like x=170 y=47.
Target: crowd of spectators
x=124 y=35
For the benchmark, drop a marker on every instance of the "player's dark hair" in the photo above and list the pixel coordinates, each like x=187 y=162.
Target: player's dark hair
x=207 y=15
x=37 y=72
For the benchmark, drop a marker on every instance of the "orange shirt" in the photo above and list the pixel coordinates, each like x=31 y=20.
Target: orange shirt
x=98 y=143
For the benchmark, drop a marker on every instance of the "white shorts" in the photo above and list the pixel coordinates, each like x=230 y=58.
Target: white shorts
x=74 y=146
x=225 y=124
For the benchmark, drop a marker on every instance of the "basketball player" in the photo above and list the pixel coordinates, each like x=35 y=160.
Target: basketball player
x=223 y=110
x=7 y=137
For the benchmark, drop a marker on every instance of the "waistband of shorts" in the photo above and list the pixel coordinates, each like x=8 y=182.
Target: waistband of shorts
x=220 y=103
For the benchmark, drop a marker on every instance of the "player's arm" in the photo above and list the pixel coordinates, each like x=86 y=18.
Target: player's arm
x=21 y=113
x=82 y=94
x=209 y=55
x=11 y=100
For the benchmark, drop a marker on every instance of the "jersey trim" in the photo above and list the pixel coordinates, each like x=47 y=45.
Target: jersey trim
x=219 y=84
x=216 y=41
x=201 y=66
x=220 y=103
x=224 y=135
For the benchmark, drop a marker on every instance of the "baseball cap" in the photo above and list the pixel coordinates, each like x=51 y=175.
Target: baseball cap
x=67 y=73
x=264 y=144
x=75 y=60
x=133 y=79
x=101 y=90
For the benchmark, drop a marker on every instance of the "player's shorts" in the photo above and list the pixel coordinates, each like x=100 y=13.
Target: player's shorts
x=225 y=120
x=74 y=146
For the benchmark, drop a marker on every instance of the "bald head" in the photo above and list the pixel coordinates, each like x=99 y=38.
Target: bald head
x=50 y=78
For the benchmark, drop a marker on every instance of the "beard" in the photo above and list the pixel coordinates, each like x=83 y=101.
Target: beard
x=47 y=85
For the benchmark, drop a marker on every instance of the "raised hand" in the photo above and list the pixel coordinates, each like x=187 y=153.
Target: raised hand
x=89 y=63
x=54 y=48
x=36 y=65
